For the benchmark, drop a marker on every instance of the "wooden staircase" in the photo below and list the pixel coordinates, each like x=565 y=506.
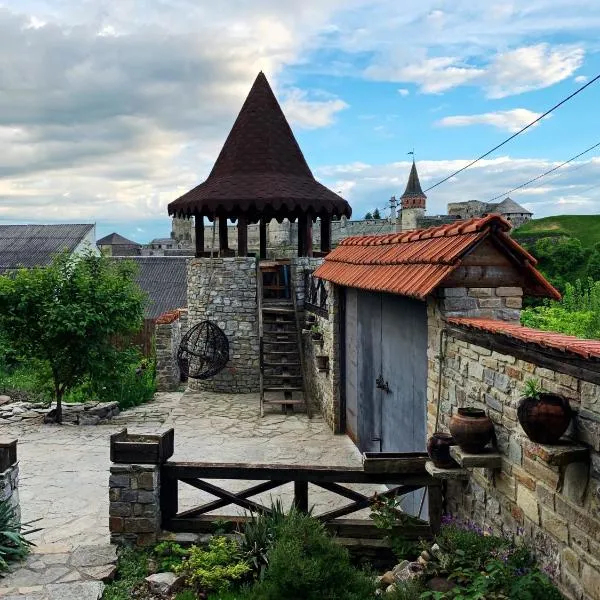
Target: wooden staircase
x=282 y=382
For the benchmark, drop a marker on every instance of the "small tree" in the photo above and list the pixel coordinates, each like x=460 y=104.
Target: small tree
x=376 y=214
x=68 y=313
x=368 y=216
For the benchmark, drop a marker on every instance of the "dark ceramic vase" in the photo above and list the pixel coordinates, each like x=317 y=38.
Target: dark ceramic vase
x=438 y=448
x=471 y=429
x=544 y=419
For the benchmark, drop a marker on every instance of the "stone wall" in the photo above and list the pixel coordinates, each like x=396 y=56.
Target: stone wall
x=169 y=330
x=9 y=477
x=134 y=504
x=323 y=382
x=502 y=303
x=223 y=290
x=551 y=495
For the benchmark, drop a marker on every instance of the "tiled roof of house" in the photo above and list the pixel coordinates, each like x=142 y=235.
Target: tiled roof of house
x=164 y=279
x=261 y=170
x=35 y=245
x=115 y=239
x=546 y=339
x=414 y=263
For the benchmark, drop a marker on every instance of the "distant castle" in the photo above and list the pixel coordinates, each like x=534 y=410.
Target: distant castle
x=413 y=204
x=410 y=215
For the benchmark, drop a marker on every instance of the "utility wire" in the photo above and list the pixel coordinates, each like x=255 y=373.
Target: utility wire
x=546 y=173
x=514 y=135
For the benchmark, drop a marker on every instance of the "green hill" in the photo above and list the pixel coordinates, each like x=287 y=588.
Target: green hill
x=584 y=227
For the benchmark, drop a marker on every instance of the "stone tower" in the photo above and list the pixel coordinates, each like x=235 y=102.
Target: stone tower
x=182 y=230
x=412 y=205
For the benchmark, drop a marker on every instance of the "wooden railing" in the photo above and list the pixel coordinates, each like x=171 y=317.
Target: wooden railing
x=413 y=477
x=315 y=295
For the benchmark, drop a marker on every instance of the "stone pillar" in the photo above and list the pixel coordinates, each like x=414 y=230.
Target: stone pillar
x=223 y=291
x=9 y=476
x=134 y=507
x=167 y=336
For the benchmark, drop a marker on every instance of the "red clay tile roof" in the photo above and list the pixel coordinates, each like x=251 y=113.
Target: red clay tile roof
x=414 y=263
x=546 y=339
x=261 y=170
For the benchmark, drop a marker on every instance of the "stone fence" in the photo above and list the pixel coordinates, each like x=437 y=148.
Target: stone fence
x=549 y=494
x=9 y=476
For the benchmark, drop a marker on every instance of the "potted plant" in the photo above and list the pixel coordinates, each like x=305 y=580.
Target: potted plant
x=543 y=416
x=316 y=333
x=471 y=429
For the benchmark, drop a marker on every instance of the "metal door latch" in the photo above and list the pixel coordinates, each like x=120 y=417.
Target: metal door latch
x=382 y=385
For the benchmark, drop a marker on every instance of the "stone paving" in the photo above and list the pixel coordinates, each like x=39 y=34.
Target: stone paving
x=64 y=469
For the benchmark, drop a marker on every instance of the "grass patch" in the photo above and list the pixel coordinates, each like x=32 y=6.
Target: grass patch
x=132 y=568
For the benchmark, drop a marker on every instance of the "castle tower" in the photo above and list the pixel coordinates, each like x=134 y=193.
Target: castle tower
x=412 y=205
x=182 y=230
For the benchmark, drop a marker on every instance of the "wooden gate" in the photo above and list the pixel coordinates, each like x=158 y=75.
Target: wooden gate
x=386 y=373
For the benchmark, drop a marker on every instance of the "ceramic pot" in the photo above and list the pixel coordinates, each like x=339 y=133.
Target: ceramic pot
x=471 y=429
x=438 y=448
x=544 y=419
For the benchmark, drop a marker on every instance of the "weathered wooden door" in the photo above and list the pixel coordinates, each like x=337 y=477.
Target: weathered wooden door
x=386 y=373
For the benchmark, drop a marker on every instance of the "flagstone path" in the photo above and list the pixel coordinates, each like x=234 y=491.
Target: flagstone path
x=64 y=469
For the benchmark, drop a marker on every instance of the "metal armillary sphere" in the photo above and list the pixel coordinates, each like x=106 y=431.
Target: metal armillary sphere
x=203 y=352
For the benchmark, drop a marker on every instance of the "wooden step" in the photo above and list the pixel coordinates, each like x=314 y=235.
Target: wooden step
x=282 y=376
x=289 y=388
x=287 y=342
x=270 y=365
x=284 y=402
x=278 y=310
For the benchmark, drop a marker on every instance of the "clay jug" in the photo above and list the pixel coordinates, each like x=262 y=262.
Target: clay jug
x=471 y=429
x=438 y=448
x=545 y=418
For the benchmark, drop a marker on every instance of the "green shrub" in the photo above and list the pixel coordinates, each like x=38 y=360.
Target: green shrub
x=305 y=563
x=216 y=568
x=14 y=544
x=406 y=590
x=169 y=555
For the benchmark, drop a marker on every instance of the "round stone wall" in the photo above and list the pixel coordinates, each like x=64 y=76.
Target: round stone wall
x=223 y=290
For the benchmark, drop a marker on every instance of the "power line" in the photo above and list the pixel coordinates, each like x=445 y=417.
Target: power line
x=546 y=173
x=514 y=135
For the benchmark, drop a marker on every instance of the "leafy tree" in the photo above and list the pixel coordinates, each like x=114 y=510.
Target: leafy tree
x=593 y=267
x=68 y=313
x=368 y=216
x=376 y=214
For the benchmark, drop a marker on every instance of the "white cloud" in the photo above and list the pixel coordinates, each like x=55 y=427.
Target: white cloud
x=311 y=114
x=403 y=92
x=531 y=68
x=508 y=120
x=581 y=78
x=432 y=75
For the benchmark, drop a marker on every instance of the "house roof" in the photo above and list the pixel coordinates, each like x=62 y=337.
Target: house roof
x=115 y=239
x=413 y=187
x=416 y=262
x=545 y=339
x=507 y=206
x=164 y=279
x=260 y=171
x=35 y=245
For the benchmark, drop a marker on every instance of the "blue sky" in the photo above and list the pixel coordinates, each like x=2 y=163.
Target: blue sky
x=110 y=110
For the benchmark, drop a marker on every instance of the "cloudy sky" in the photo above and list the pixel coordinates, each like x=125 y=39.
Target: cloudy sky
x=110 y=109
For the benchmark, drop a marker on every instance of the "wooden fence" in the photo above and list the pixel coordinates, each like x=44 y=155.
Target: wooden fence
x=271 y=476
x=143 y=339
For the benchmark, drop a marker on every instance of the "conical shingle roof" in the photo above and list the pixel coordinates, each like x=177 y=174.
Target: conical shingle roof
x=260 y=170
x=413 y=196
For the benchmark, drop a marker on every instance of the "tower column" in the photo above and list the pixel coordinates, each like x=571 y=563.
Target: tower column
x=199 y=227
x=325 y=233
x=242 y=236
x=223 y=241
x=263 y=239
